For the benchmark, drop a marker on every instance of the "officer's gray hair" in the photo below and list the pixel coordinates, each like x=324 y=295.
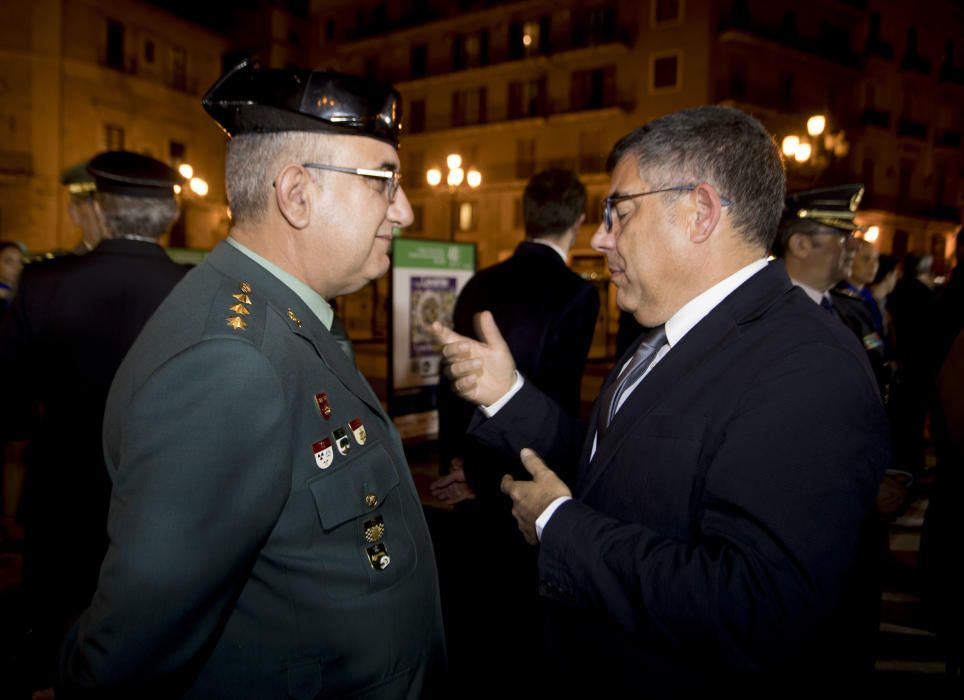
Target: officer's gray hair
x=721 y=146
x=125 y=215
x=253 y=160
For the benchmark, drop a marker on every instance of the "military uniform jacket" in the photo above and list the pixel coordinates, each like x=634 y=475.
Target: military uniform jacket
x=853 y=311
x=266 y=537
x=73 y=321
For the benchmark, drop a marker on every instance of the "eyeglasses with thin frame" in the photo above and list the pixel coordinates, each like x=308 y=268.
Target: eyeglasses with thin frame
x=609 y=202
x=392 y=178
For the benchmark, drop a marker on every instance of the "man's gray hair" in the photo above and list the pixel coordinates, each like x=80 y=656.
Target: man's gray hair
x=252 y=160
x=125 y=215
x=724 y=147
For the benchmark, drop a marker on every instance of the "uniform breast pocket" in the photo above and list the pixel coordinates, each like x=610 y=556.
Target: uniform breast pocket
x=365 y=543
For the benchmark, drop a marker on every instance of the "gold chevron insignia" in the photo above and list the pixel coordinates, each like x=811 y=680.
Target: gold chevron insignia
x=245 y=287
x=239 y=309
x=236 y=322
x=291 y=315
x=243 y=298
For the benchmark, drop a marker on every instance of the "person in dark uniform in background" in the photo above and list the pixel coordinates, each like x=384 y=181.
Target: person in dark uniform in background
x=72 y=322
x=913 y=308
x=816 y=243
x=81 y=190
x=266 y=537
x=863 y=271
x=548 y=313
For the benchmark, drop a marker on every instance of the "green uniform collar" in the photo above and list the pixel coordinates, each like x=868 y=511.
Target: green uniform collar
x=313 y=300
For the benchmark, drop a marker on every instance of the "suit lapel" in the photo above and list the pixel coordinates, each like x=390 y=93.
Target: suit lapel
x=747 y=303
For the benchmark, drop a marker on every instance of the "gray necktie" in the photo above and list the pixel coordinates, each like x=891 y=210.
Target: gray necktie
x=340 y=335
x=630 y=374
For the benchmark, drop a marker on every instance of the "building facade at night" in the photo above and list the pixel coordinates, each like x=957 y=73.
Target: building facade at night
x=82 y=76
x=514 y=87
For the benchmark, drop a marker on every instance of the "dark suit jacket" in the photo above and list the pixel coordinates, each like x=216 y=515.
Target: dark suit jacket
x=547 y=314
x=240 y=541
x=716 y=528
x=74 y=319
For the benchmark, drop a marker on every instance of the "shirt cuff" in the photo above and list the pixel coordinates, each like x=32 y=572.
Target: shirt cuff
x=543 y=519
x=490 y=411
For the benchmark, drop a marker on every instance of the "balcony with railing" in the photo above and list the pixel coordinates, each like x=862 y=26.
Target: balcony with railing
x=912 y=129
x=832 y=42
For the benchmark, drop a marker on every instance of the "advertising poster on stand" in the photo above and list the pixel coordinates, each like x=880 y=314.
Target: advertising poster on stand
x=427 y=277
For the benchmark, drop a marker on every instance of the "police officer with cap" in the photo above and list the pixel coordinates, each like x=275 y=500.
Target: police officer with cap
x=267 y=540
x=80 y=206
x=816 y=242
x=71 y=324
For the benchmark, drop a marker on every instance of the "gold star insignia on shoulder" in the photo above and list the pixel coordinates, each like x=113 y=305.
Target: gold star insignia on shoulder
x=245 y=287
x=291 y=315
x=243 y=298
x=239 y=309
x=236 y=322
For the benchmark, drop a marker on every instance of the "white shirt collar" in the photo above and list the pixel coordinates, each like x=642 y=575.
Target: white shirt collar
x=543 y=241
x=815 y=294
x=700 y=306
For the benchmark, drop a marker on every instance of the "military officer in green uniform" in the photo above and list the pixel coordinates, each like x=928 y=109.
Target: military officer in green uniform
x=266 y=537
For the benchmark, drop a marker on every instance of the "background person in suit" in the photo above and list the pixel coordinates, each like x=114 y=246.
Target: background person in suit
x=715 y=520
x=266 y=538
x=548 y=314
x=72 y=322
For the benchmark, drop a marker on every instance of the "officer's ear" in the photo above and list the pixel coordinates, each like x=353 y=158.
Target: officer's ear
x=293 y=195
x=799 y=245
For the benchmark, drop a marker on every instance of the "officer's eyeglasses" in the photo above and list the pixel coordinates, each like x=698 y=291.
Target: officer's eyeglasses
x=609 y=202
x=392 y=178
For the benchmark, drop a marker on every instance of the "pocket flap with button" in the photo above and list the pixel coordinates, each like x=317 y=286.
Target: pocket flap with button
x=356 y=488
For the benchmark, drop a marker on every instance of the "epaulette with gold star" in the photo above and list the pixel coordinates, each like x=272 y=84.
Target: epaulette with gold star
x=237 y=310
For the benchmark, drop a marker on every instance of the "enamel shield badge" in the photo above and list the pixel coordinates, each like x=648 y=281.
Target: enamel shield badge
x=342 y=441
x=323 y=406
x=324 y=453
x=358 y=430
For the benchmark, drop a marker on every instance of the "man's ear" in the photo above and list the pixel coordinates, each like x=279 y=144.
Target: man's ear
x=293 y=195
x=707 y=213
x=799 y=245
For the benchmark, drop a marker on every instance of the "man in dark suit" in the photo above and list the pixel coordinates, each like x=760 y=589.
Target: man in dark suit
x=548 y=314
x=733 y=454
x=266 y=538
x=74 y=319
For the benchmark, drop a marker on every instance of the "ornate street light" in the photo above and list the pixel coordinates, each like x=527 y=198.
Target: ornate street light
x=815 y=150
x=455 y=176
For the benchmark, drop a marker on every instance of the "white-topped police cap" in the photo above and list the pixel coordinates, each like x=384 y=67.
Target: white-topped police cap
x=252 y=99
x=835 y=207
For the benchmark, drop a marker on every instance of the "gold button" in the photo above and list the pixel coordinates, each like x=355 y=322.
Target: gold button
x=371 y=500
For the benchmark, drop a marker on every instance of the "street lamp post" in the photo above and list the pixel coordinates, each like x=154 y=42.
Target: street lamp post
x=196 y=189
x=455 y=177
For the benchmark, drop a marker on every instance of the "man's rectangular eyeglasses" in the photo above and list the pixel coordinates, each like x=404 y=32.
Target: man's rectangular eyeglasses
x=393 y=178
x=609 y=202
